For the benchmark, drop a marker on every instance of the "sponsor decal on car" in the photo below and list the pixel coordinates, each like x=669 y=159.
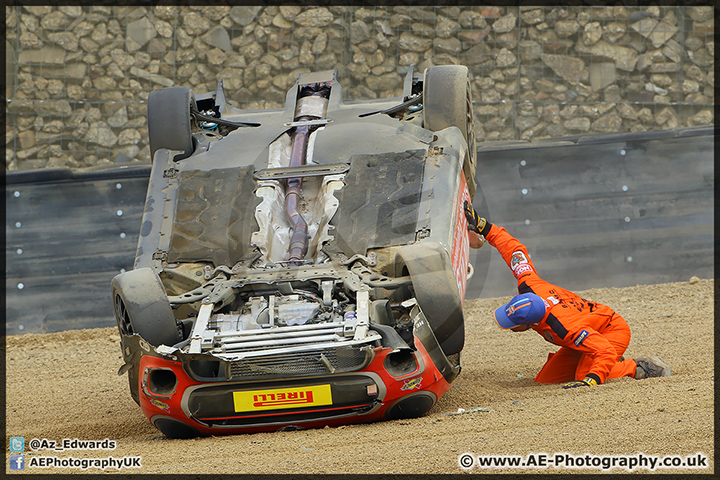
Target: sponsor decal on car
x=159 y=404
x=312 y=396
x=461 y=242
x=411 y=384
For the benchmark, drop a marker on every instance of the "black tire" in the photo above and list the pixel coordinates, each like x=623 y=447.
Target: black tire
x=133 y=374
x=172 y=428
x=142 y=307
x=447 y=102
x=169 y=120
x=435 y=288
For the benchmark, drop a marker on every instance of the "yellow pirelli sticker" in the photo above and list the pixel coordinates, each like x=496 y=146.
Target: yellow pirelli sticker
x=254 y=400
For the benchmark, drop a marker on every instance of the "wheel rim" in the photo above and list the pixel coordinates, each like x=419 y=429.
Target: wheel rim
x=470 y=124
x=122 y=317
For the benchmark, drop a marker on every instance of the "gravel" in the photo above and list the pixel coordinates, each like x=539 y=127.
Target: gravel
x=65 y=385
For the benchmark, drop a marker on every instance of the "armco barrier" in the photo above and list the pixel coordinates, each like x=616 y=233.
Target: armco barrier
x=598 y=210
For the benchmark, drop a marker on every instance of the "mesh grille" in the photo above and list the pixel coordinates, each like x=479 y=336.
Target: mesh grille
x=298 y=364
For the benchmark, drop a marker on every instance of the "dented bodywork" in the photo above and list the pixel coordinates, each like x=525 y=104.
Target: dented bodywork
x=302 y=267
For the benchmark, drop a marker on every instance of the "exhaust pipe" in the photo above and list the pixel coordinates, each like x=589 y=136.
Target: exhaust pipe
x=299 y=240
x=311 y=104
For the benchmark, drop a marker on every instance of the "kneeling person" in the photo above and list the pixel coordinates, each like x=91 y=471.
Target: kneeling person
x=592 y=336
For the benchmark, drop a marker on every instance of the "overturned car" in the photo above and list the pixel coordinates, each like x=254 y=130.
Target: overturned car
x=300 y=267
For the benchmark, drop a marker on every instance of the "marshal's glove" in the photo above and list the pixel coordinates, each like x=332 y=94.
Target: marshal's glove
x=585 y=382
x=475 y=223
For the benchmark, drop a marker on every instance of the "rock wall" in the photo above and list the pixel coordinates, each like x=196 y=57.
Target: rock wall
x=77 y=77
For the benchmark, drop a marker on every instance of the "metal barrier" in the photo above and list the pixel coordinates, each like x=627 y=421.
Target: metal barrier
x=610 y=210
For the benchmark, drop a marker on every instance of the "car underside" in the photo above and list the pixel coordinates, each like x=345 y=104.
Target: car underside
x=304 y=266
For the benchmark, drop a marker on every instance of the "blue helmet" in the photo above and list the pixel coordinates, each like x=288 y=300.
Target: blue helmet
x=525 y=309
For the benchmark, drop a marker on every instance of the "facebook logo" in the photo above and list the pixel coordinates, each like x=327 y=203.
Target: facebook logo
x=17 y=462
x=17 y=444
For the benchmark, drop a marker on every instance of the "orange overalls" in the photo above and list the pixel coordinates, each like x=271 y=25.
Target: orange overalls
x=592 y=336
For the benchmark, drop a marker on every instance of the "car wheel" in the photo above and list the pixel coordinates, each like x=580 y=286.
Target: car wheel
x=447 y=102
x=436 y=292
x=142 y=307
x=133 y=382
x=169 y=120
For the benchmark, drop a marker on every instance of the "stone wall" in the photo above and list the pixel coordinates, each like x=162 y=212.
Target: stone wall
x=77 y=77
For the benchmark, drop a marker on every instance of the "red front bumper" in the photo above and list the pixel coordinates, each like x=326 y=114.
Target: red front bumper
x=182 y=407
